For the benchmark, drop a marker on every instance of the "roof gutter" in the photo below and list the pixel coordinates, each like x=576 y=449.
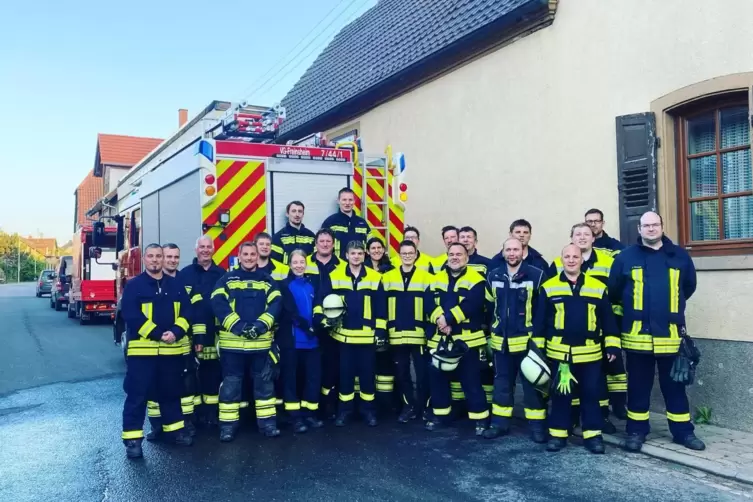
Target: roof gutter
x=518 y=23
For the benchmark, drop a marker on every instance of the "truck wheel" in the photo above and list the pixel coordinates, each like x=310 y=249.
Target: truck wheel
x=83 y=318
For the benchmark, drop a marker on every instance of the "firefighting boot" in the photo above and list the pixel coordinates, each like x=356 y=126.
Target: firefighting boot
x=691 y=442
x=270 y=431
x=496 y=430
x=556 y=444
x=133 y=448
x=154 y=435
x=608 y=427
x=634 y=442
x=227 y=433
x=182 y=438
x=538 y=433
x=314 y=423
x=299 y=427
x=407 y=414
x=342 y=418
x=190 y=428
x=481 y=426
x=594 y=444
x=370 y=419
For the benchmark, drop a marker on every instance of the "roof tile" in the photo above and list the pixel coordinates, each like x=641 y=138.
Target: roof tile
x=124 y=150
x=387 y=39
x=87 y=194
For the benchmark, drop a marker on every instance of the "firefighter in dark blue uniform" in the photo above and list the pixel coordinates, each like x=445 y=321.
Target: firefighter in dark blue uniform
x=294 y=235
x=594 y=218
x=325 y=260
x=521 y=230
x=459 y=312
x=653 y=280
x=154 y=307
x=512 y=296
x=362 y=327
x=575 y=314
x=345 y=224
x=247 y=302
x=410 y=301
x=199 y=278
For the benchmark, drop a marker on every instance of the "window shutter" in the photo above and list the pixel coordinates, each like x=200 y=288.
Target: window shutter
x=636 y=171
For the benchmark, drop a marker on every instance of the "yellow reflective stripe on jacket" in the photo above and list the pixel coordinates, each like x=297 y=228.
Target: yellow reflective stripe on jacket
x=414 y=337
x=559 y=316
x=367 y=307
x=181 y=322
x=471 y=338
x=199 y=329
x=220 y=291
x=155 y=348
x=196 y=298
x=229 y=321
x=637 y=275
x=674 y=290
x=515 y=344
x=591 y=317
x=229 y=341
x=559 y=351
x=354 y=336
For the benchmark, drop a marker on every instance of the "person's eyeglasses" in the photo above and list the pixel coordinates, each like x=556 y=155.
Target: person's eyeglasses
x=651 y=225
x=407 y=255
x=591 y=222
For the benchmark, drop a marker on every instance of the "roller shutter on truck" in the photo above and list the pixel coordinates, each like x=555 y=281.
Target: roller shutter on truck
x=149 y=219
x=289 y=181
x=180 y=215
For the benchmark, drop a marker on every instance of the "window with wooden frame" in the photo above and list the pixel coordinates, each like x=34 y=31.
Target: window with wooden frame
x=715 y=176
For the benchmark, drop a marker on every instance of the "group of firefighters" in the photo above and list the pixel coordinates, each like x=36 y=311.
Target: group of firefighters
x=422 y=336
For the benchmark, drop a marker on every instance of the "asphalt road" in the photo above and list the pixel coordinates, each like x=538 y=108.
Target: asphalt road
x=60 y=403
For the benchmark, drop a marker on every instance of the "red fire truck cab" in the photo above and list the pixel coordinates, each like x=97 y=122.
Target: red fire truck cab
x=93 y=277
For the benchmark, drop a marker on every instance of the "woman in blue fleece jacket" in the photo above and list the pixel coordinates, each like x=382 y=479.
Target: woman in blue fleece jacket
x=299 y=345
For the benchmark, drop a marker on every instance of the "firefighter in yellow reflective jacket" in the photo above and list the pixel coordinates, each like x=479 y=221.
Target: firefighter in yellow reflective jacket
x=423 y=261
x=410 y=301
x=459 y=313
x=653 y=280
x=575 y=313
x=512 y=296
x=154 y=307
x=358 y=332
x=247 y=302
x=597 y=264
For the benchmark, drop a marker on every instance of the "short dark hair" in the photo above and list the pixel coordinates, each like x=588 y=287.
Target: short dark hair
x=372 y=241
x=345 y=190
x=412 y=229
x=409 y=244
x=247 y=244
x=355 y=245
x=457 y=244
x=520 y=223
x=580 y=225
x=324 y=231
x=170 y=245
x=153 y=245
x=294 y=203
x=262 y=235
x=593 y=210
x=449 y=228
x=468 y=229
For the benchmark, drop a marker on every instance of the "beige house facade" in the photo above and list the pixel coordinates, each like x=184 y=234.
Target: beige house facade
x=544 y=125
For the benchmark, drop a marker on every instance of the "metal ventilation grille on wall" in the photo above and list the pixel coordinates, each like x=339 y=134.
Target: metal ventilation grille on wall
x=635 y=188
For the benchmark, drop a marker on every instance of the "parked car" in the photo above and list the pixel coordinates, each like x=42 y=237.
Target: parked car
x=44 y=283
x=59 y=293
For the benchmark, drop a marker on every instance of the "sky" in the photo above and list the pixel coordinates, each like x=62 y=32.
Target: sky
x=71 y=70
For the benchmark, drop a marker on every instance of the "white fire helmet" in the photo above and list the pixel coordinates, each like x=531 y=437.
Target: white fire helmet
x=535 y=368
x=333 y=307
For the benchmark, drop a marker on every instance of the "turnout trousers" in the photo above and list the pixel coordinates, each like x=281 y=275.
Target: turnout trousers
x=468 y=373
x=330 y=372
x=234 y=366
x=357 y=360
x=506 y=369
x=158 y=379
x=210 y=378
x=416 y=397
x=305 y=366
x=640 y=367
x=589 y=387
x=385 y=380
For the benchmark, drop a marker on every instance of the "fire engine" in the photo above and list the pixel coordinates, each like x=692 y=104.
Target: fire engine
x=222 y=175
x=92 y=292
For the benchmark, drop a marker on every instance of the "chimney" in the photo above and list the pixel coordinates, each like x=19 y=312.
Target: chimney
x=182 y=117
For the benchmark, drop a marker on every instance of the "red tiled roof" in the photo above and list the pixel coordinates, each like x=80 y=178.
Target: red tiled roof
x=87 y=194
x=119 y=150
x=44 y=246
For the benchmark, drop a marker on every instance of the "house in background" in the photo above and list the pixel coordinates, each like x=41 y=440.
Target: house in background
x=45 y=247
x=88 y=192
x=541 y=109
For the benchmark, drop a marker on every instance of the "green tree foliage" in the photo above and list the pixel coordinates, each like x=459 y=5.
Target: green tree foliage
x=9 y=258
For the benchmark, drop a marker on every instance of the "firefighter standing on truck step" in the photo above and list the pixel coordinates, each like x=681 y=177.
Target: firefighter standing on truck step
x=513 y=292
x=653 y=280
x=459 y=312
x=575 y=314
x=345 y=224
x=199 y=279
x=360 y=329
x=294 y=235
x=247 y=301
x=154 y=307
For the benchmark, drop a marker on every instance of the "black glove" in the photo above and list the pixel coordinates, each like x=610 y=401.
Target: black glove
x=686 y=360
x=249 y=332
x=271 y=369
